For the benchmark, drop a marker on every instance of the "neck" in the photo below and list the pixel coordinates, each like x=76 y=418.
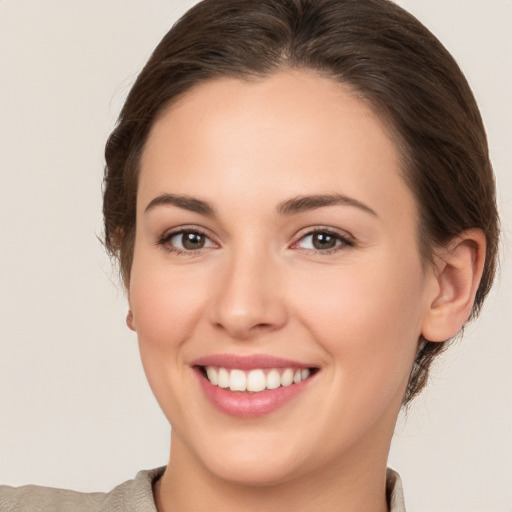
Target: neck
x=357 y=484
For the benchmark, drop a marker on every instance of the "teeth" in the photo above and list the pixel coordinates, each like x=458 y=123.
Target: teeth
x=273 y=379
x=255 y=380
x=223 y=378
x=287 y=377
x=237 y=380
x=212 y=375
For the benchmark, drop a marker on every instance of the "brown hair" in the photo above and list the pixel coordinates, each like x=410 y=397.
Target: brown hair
x=385 y=54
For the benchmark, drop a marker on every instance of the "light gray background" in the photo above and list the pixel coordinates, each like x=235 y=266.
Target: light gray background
x=75 y=409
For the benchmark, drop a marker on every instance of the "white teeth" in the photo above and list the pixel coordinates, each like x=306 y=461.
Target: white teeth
x=212 y=375
x=287 y=377
x=255 y=380
x=237 y=380
x=273 y=379
x=223 y=378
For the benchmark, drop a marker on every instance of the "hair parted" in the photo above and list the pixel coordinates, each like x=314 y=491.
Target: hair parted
x=383 y=53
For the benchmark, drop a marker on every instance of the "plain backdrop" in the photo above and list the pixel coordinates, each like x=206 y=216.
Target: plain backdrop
x=75 y=408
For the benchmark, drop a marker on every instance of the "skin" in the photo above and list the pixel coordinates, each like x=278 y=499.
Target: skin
x=258 y=286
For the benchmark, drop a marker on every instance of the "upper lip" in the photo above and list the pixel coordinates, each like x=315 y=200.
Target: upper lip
x=248 y=362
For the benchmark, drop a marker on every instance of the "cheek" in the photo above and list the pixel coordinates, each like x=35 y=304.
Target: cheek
x=166 y=310
x=165 y=305
x=368 y=320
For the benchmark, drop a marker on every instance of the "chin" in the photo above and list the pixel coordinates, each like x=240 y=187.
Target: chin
x=252 y=470
x=251 y=458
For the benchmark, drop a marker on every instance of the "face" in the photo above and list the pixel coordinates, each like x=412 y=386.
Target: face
x=276 y=250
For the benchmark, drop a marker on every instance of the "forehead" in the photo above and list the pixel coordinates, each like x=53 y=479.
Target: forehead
x=296 y=129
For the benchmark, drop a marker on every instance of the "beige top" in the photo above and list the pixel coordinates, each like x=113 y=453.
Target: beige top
x=131 y=496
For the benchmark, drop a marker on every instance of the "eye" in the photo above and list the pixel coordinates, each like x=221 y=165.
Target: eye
x=186 y=240
x=323 y=240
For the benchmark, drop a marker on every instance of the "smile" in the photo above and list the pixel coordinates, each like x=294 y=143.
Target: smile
x=254 y=381
x=251 y=386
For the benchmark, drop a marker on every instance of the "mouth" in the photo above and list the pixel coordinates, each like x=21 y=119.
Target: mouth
x=255 y=380
x=251 y=386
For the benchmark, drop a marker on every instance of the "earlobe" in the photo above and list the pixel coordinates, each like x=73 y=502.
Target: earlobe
x=129 y=320
x=458 y=270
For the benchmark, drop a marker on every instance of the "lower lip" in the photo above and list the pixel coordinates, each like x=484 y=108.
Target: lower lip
x=250 y=405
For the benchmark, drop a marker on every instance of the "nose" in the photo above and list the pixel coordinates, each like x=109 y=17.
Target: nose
x=249 y=299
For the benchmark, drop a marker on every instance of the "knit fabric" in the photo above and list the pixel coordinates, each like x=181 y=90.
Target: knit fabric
x=132 y=496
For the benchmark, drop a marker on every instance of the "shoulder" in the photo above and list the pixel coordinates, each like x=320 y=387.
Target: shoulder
x=394 y=491
x=35 y=498
x=132 y=496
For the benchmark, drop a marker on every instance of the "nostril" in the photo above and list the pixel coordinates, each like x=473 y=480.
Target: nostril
x=262 y=326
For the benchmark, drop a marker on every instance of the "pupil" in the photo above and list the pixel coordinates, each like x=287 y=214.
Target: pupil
x=323 y=241
x=193 y=241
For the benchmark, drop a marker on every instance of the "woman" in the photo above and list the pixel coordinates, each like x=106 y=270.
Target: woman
x=301 y=200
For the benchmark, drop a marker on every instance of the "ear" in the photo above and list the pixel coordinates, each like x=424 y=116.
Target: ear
x=457 y=272
x=129 y=320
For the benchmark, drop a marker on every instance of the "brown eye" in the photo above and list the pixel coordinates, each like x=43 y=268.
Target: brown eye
x=186 y=240
x=322 y=241
x=192 y=240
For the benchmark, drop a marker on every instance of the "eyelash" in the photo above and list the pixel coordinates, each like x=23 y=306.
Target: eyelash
x=165 y=239
x=344 y=241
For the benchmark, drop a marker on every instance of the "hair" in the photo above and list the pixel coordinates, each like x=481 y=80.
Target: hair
x=384 y=54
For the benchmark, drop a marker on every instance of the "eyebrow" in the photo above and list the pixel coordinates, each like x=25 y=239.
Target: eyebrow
x=292 y=206
x=301 y=204
x=187 y=203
